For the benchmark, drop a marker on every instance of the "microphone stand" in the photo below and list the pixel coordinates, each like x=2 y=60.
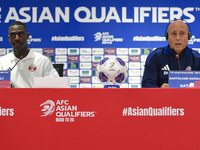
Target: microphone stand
x=10 y=69
x=21 y=57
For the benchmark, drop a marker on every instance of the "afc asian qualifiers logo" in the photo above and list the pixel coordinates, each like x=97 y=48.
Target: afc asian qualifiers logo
x=106 y=38
x=64 y=112
x=48 y=108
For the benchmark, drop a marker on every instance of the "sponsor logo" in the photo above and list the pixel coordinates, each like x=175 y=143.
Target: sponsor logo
x=135 y=58
x=67 y=38
x=85 y=58
x=73 y=65
x=134 y=65
x=72 y=72
x=166 y=67
x=97 y=86
x=124 y=86
x=134 y=51
x=94 y=65
x=85 y=51
x=94 y=72
x=122 y=50
x=134 y=85
x=98 y=51
x=143 y=58
x=74 y=79
x=74 y=86
x=134 y=72
x=48 y=51
x=61 y=58
x=106 y=38
x=73 y=51
x=48 y=108
x=95 y=79
x=146 y=51
x=97 y=58
x=85 y=85
x=110 y=51
x=9 y=50
x=2 y=51
x=38 y=50
x=6 y=112
x=31 y=39
x=61 y=51
x=85 y=72
x=85 y=65
x=1 y=38
x=73 y=58
x=123 y=57
x=85 y=79
x=134 y=79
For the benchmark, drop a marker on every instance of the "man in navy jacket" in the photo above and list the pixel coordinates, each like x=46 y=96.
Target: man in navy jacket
x=175 y=56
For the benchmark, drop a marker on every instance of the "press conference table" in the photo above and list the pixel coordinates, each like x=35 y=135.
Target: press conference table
x=99 y=119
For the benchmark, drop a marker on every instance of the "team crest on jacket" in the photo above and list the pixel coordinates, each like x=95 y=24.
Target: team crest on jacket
x=32 y=68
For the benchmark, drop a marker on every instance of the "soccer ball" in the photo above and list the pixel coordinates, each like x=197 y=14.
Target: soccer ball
x=112 y=71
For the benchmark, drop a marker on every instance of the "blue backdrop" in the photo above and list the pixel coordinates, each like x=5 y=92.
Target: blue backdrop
x=80 y=33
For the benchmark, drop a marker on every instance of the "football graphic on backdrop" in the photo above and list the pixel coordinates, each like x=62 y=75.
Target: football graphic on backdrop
x=112 y=71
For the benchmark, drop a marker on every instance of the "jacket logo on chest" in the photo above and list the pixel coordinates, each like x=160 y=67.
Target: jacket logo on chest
x=32 y=68
x=165 y=69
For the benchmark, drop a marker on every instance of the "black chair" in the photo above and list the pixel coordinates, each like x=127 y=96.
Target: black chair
x=59 y=69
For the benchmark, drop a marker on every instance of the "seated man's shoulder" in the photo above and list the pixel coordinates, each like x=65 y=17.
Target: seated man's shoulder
x=40 y=55
x=157 y=51
x=196 y=53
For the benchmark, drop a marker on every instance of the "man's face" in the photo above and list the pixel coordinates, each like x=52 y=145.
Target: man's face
x=18 y=37
x=178 y=36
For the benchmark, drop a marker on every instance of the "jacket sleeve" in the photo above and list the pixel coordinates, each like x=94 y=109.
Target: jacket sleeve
x=151 y=72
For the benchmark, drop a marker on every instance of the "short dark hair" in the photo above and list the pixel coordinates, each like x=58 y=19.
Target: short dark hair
x=18 y=23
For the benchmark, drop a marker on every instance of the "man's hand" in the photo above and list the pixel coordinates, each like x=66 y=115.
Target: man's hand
x=165 y=85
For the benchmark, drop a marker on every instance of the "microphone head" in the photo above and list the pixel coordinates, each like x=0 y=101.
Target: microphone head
x=21 y=57
x=177 y=55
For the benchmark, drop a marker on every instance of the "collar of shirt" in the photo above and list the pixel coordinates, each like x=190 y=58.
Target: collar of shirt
x=171 y=51
x=30 y=55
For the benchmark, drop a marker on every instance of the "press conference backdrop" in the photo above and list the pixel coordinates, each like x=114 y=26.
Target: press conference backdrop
x=79 y=33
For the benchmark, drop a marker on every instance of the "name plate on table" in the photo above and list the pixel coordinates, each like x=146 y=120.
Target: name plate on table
x=4 y=79
x=184 y=79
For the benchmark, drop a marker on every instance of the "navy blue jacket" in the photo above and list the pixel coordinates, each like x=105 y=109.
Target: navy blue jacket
x=164 y=59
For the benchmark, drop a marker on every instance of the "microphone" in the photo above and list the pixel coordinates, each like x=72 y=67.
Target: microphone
x=21 y=57
x=177 y=55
